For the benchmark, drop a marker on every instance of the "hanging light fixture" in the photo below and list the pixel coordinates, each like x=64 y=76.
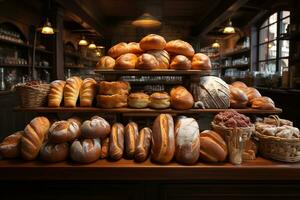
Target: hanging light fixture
x=47 y=28
x=146 y=21
x=83 y=41
x=216 y=45
x=229 y=29
x=92 y=45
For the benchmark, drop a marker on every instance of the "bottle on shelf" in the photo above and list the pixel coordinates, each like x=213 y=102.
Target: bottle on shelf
x=2 y=83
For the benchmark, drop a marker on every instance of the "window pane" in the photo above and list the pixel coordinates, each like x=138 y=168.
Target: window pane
x=283 y=25
x=283 y=63
x=263 y=52
x=263 y=35
x=264 y=24
x=272 y=47
x=273 y=18
x=284 y=47
x=273 y=32
x=262 y=66
x=284 y=14
x=271 y=67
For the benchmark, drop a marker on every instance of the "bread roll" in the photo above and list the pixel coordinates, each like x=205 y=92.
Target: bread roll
x=180 y=47
x=130 y=138
x=71 y=91
x=152 y=42
x=163 y=58
x=87 y=92
x=106 y=62
x=201 y=62
x=263 y=103
x=112 y=101
x=238 y=99
x=181 y=98
x=159 y=100
x=77 y=120
x=97 y=127
x=63 y=131
x=54 y=152
x=104 y=148
x=187 y=141
x=116 y=141
x=239 y=84
x=212 y=147
x=114 y=87
x=252 y=93
x=85 y=150
x=138 y=100
x=147 y=62
x=118 y=50
x=10 y=147
x=143 y=145
x=55 y=95
x=34 y=135
x=180 y=62
x=163 y=139
x=135 y=48
x=126 y=61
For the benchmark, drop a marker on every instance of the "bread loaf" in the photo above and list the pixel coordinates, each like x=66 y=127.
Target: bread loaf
x=138 y=100
x=55 y=95
x=252 y=93
x=112 y=101
x=201 y=62
x=147 y=62
x=106 y=62
x=54 y=152
x=152 y=42
x=180 y=47
x=159 y=100
x=118 y=50
x=104 y=148
x=10 y=147
x=97 y=127
x=143 y=145
x=238 y=99
x=187 y=141
x=87 y=92
x=135 y=48
x=181 y=98
x=263 y=103
x=163 y=139
x=131 y=137
x=162 y=57
x=116 y=141
x=180 y=62
x=34 y=135
x=126 y=61
x=71 y=91
x=239 y=84
x=114 y=87
x=63 y=131
x=85 y=150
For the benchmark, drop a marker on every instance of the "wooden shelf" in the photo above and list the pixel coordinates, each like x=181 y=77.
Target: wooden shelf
x=43 y=67
x=155 y=82
x=144 y=111
x=158 y=72
x=16 y=43
x=15 y=65
x=44 y=51
x=81 y=68
x=259 y=169
x=236 y=52
x=236 y=66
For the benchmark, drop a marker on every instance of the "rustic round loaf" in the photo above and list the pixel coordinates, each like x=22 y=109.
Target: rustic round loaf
x=162 y=56
x=180 y=47
x=153 y=41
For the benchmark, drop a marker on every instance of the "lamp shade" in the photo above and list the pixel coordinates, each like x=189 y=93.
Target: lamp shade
x=47 y=28
x=216 y=45
x=146 y=21
x=229 y=29
x=92 y=46
x=83 y=42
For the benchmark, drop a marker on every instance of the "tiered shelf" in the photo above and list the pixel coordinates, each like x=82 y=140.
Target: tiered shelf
x=136 y=72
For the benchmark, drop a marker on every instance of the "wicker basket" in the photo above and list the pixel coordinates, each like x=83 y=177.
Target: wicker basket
x=276 y=148
x=32 y=95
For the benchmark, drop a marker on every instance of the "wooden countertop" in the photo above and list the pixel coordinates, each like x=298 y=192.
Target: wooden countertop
x=259 y=169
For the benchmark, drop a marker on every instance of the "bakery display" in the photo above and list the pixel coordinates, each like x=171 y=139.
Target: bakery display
x=147 y=61
x=106 y=62
x=163 y=139
x=180 y=47
x=96 y=127
x=180 y=62
x=71 y=91
x=162 y=56
x=187 y=141
x=54 y=152
x=131 y=138
x=138 y=100
x=87 y=92
x=116 y=141
x=181 y=98
x=201 y=61
x=263 y=103
x=160 y=100
x=238 y=98
x=239 y=84
x=252 y=93
x=113 y=87
x=212 y=147
x=118 y=50
x=143 y=145
x=63 y=131
x=112 y=101
x=104 y=148
x=85 y=150
x=135 y=48
x=10 y=147
x=152 y=42
x=126 y=61
x=55 y=95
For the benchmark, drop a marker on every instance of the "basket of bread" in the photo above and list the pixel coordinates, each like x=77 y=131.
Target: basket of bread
x=278 y=139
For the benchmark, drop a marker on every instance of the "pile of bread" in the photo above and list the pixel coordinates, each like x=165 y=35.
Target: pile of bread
x=95 y=138
x=153 y=52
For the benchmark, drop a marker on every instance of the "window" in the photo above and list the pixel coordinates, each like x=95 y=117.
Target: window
x=273 y=52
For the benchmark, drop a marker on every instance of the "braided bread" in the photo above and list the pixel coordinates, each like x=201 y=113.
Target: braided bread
x=56 y=93
x=87 y=92
x=71 y=91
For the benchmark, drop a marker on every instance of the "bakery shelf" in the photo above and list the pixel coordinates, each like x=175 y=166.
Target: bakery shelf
x=15 y=43
x=259 y=169
x=14 y=65
x=153 y=72
x=141 y=111
x=236 y=52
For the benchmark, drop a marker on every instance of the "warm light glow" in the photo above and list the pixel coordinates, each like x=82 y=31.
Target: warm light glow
x=83 y=42
x=98 y=53
x=47 y=28
x=229 y=29
x=216 y=45
x=146 y=21
x=100 y=47
x=92 y=46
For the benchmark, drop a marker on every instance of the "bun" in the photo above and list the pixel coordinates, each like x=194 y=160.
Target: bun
x=159 y=100
x=238 y=99
x=77 y=120
x=126 y=61
x=180 y=62
x=201 y=62
x=85 y=150
x=112 y=101
x=97 y=127
x=143 y=145
x=104 y=148
x=87 y=92
x=131 y=137
x=116 y=141
x=71 y=91
x=181 y=98
x=163 y=142
x=187 y=141
x=152 y=42
x=34 y=135
x=138 y=100
x=106 y=62
x=212 y=147
x=239 y=84
x=118 y=50
x=147 y=62
x=55 y=95
x=263 y=103
x=134 y=48
x=54 y=152
x=252 y=93
x=10 y=147
x=114 y=87
x=63 y=131
x=162 y=57
x=180 y=47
